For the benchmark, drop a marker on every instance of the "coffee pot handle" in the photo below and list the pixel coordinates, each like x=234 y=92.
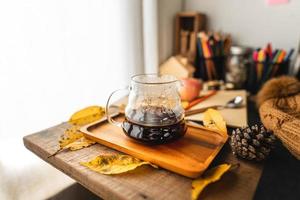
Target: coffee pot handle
x=108 y=115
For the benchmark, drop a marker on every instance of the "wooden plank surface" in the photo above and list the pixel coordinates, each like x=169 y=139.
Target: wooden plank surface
x=144 y=182
x=189 y=156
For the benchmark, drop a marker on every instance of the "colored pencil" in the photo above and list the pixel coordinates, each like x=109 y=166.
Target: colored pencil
x=211 y=47
x=200 y=99
x=268 y=62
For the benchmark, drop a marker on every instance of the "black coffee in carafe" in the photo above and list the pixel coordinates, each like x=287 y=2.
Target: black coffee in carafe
x=154 y=113
x=154 y=125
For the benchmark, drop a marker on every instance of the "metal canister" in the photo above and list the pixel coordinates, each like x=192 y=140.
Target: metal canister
x=237 y=64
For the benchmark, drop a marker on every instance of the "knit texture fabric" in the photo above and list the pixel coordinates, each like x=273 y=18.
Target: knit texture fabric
x=279 y=109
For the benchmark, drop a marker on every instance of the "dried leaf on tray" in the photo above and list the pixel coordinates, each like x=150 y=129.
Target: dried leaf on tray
x=87 y=115
x=213 y=119
x=208 y=177
x=114 y=164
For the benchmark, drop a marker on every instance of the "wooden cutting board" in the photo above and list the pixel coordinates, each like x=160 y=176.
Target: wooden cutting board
x=188 y=156
x=234 y=117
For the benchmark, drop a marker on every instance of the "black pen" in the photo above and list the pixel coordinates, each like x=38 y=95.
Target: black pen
x=289 y=55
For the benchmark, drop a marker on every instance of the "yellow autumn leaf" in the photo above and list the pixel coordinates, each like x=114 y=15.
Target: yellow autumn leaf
x=210 y=176
x=72 y=138
x=70 y=135
x=114 y=164
x=79 y=144
x=87 y=115
x=184 y=104
x=213 y=119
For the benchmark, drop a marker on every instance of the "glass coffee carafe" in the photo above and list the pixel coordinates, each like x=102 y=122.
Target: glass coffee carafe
x=154 y=114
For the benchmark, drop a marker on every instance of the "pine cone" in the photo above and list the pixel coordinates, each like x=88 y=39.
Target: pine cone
x=252 y=143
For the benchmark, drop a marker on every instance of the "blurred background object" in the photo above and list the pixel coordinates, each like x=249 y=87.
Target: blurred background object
x=237 y=66
x=296 y=69
x=177 y=66
x=187 y=26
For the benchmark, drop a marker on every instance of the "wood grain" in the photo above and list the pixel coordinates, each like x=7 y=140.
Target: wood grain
x=144 y=182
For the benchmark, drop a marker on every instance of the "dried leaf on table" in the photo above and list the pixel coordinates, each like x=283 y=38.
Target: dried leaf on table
x=208 y=177
x=79 y=144
x=72 y=138
x=70 y=135
x=87 y=115
x=114 y=164
x=213 y=119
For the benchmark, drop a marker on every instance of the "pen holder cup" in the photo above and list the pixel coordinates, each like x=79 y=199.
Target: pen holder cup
x=260 y=72
x=210 y=68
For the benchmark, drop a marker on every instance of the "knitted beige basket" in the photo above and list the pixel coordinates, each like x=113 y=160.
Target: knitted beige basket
x=279 y=109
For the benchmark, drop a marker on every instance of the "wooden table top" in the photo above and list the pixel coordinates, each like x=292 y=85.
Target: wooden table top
x=145 y=182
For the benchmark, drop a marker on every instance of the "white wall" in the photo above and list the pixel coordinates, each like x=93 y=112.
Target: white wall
x=166 y=21
x=253 y=22
x=59 y=56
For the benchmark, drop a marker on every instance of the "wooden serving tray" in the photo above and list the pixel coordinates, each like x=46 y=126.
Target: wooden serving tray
x=188 y=156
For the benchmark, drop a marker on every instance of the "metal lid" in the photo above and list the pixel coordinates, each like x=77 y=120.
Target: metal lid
x=238 y=50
